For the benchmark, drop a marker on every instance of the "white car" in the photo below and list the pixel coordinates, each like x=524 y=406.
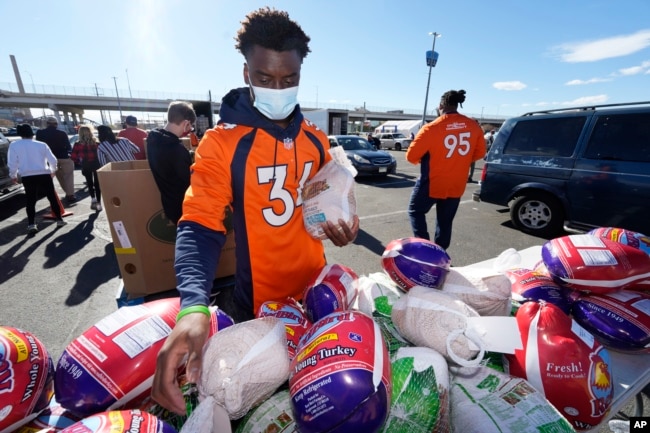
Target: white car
x=393 y=140
x=4 y=130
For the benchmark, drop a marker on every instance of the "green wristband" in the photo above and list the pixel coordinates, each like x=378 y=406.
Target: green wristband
x=193 y=309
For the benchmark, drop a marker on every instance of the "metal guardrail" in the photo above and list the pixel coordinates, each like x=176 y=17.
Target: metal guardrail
x=41 y=89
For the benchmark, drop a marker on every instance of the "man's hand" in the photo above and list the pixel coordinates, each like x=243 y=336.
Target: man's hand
x=342 y=234
x=187 y=339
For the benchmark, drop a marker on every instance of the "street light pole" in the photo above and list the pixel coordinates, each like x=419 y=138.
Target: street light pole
x=426 y=97
x=129 y=83
x=119 y=104
x=32 y=78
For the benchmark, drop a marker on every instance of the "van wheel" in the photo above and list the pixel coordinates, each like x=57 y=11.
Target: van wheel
x=398 y=146
x=537 y=214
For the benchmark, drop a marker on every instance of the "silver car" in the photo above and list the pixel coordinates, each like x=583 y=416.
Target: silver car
x=7 y=187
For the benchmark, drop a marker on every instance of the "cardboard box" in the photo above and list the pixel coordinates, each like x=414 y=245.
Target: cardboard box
x=143 y=237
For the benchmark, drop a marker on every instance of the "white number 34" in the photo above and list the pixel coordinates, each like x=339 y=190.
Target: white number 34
x=459 y=143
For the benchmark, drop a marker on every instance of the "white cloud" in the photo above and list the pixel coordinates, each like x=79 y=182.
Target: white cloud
x=587 y=100
x=606 y=48
x=644 y=67
x=509 y=85
x=589 y=81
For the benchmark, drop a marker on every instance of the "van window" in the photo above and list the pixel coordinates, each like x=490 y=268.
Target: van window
x=621 y=137
x=545 y=137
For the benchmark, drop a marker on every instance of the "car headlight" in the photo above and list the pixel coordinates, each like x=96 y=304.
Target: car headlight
x=361 y=159
x=392 y=158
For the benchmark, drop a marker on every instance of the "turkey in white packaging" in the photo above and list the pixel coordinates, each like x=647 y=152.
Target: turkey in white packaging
x=241 y=368
x=430 y=318
x=329 y=195
x=485 y=290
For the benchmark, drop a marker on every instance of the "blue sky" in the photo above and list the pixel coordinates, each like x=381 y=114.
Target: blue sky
x=510 y=56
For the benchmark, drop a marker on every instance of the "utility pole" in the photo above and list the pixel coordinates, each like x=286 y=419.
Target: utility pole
x=101 y=112
x=119 y=104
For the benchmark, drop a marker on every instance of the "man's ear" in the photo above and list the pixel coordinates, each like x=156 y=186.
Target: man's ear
x=246 y=73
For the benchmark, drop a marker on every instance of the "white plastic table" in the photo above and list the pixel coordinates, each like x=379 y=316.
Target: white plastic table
x=631 y=372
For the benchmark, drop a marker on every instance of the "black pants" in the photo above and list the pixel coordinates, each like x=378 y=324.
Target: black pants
x=92 y=181
x=40 y=183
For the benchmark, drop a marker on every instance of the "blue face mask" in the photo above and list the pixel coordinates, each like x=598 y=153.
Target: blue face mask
x=276 y=104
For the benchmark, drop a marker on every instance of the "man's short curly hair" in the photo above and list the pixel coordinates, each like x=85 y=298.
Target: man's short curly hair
x=273 y=30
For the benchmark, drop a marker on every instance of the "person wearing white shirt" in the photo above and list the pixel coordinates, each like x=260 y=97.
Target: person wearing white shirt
x=36 y=165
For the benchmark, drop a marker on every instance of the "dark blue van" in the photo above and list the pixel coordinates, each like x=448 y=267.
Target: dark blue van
x=575 y=168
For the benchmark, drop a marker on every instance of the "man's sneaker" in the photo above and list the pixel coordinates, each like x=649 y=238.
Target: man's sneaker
x=32 y=229
x=70 y=198
x=98 y=208
x=61 y=223
x=93 y=204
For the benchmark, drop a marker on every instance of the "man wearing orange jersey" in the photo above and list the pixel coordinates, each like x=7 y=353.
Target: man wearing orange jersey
x=445 y=149
x=254 y=162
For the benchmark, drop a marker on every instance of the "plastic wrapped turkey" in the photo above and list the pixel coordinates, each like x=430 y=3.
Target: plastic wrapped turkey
x=242 y=366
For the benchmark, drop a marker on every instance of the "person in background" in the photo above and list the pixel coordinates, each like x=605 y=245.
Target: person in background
x=490 y=140
x=135 y=134
x=170 y=160
x=255 y=163
x=59 y=143
x=374 y=141
x=112 y=149
x=445 y=149
x=84 y=153
x=35 y=163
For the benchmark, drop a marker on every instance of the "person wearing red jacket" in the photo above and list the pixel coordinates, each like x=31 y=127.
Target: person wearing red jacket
x=136 y=135
x=85 y=153
x=445 y=149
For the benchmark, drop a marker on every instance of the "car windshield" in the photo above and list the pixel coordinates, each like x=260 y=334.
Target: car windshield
x=355 y=143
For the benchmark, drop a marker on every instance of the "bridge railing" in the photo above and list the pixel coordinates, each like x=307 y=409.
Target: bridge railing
x=44 y=89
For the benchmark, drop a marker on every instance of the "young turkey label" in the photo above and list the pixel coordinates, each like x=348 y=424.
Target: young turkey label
x=340 y=377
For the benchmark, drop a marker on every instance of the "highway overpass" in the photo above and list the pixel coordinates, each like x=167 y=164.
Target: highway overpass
x=71 y=106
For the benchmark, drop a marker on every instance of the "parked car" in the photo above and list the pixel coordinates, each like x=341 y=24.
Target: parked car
x=393 y=140
x=12 y=132
x=7 y=187
x=364 y=157
x=576 y=168
x=4 y=130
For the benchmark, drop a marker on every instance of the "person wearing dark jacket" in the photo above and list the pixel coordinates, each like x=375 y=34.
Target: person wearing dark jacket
x=59 y=144
x=170 y=160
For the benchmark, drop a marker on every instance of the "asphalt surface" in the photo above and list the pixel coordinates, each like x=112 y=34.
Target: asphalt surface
x=62 y=281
